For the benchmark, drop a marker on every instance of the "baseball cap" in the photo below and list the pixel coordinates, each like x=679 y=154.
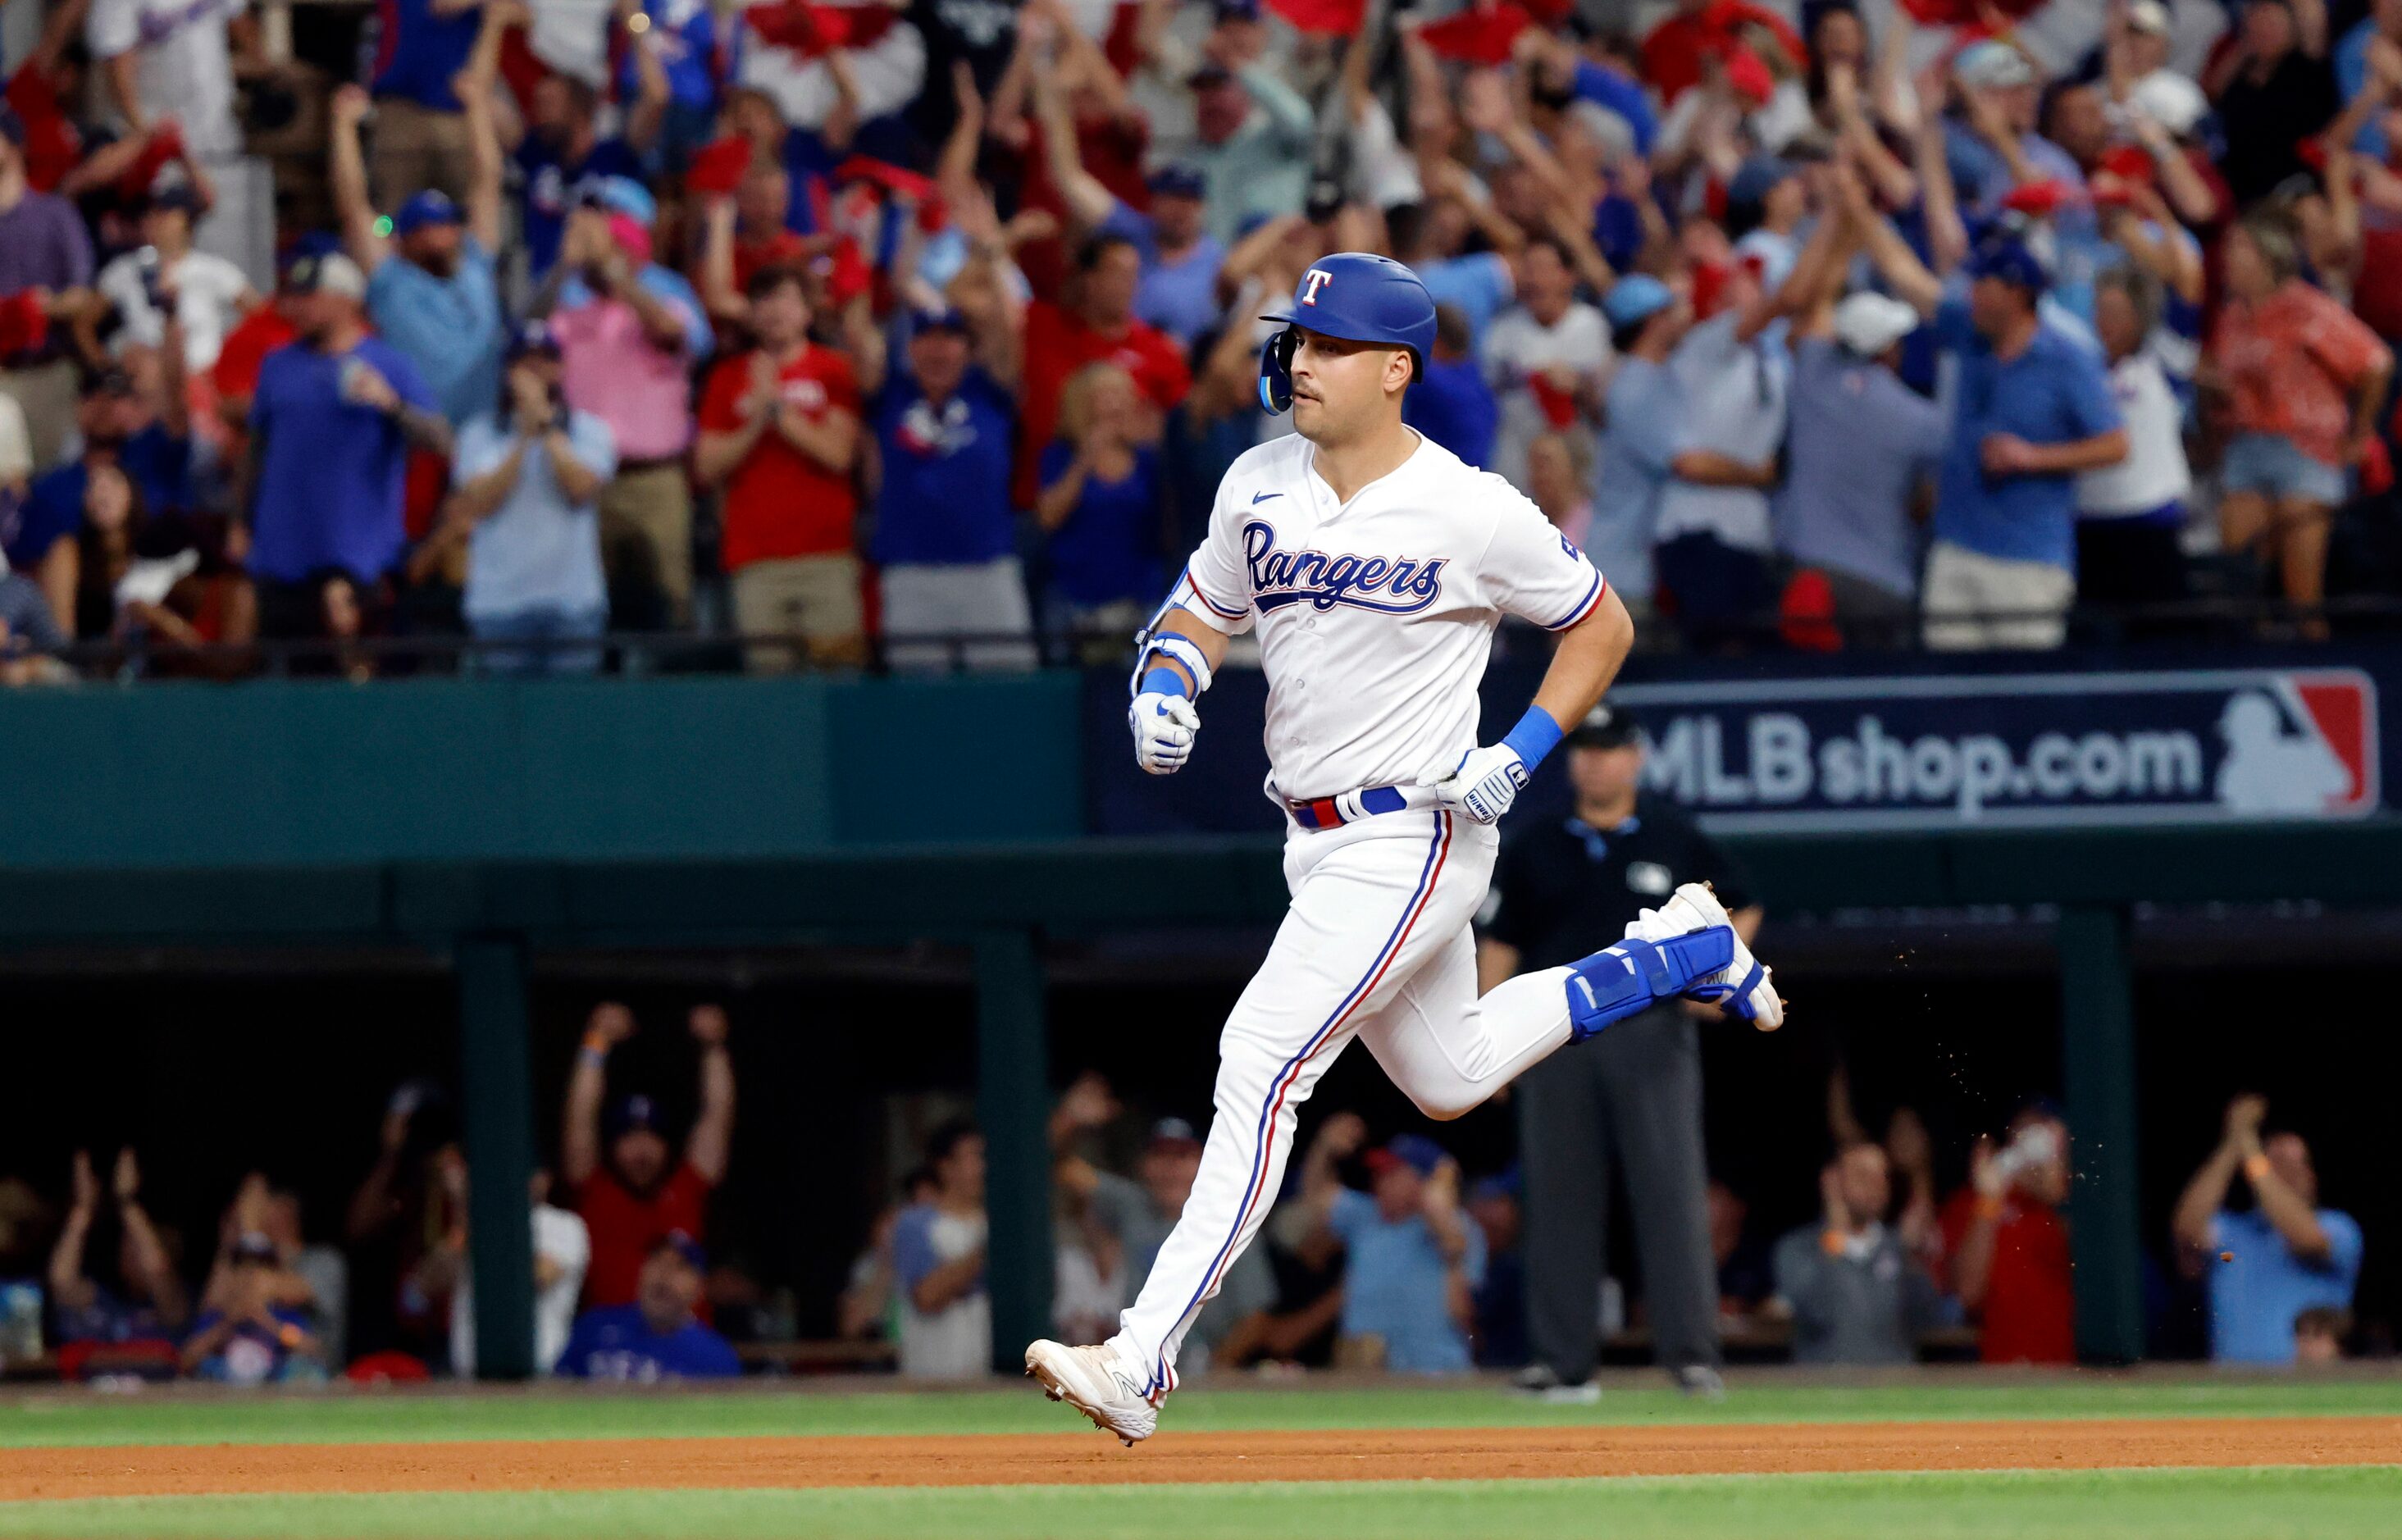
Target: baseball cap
x=1603 y=727
x=1415 y=1150
x=1992 y=64
x=1208 y=75
x=1868 y=323
x=175 y=195
x=684 y=1246
x=532 y=337
x=941 y=318
x=1179 y=181
x=1757 y=178
x=1173 y=1130
x=621 y=195
x=2148 y=16
x=431 y=207
x=1635 y=299
x=628 y=1113
x=107 y=380
x=1237 y=10
x=329 y=273
x=2004 y=255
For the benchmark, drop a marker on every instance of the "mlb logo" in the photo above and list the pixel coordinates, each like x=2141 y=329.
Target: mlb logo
x=2300 y=745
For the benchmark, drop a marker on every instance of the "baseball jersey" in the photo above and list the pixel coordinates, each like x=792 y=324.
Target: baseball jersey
x=1375 y=616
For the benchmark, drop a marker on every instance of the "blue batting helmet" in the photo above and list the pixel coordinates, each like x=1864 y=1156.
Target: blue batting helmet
x=1356 y=295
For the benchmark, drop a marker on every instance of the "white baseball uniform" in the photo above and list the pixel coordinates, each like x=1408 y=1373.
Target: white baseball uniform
x=1375 y=618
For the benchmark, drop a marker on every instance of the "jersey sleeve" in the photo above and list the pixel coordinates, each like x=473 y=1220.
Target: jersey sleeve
x=1215 y=583
x=1531 y=570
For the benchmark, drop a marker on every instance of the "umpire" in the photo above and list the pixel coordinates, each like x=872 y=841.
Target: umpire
x=1633 y=1094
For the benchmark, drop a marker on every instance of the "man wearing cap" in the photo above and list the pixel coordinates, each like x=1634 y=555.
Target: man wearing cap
x=658 y=1335
x=620 y=1173
x=1177 y=292
x=630 y=331
x=1413 y=1258
x=1862 y=450
x=526 y=481
x=45 y=267
x=1993 y=146
x=2031 y=411
x=945 y=534
x=1630 y=1097
x=211 y=294
x=331 y=425
x=1252 y=140
x=433 y=285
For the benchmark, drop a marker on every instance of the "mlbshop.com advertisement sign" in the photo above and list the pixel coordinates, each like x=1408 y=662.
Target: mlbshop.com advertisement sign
x=2014 y=751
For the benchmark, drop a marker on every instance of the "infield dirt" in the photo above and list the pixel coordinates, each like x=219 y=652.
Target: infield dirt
x=1086 y=1457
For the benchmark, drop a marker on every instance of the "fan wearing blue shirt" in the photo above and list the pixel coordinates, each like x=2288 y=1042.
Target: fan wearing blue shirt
x=1451 y=402
x=433 y=284
x=1100 y=508
x=117 y=428
x=1643 y=409
x=658 y=1336
x=562 y=147
x=1405 y=1244
x=945 y=534
x=2269 y=1264
x=331 y=425
x=681 y=45
x=2031 y=408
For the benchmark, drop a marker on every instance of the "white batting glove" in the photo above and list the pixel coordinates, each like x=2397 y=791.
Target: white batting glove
x=1164 y=726
x=1486 y=784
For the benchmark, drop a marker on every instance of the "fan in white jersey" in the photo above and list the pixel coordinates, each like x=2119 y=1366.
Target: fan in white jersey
x=1373 y=566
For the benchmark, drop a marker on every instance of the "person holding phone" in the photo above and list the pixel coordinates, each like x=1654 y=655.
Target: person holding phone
x=527 y=478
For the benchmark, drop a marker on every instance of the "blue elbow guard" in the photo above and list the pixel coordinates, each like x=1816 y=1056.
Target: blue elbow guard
x=1636 y=975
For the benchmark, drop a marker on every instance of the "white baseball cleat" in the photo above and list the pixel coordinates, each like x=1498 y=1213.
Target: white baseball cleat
x=1742 y=987
x=1094 y=1381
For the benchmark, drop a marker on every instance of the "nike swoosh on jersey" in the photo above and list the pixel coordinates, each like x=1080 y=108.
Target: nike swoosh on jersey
x=1258 y=498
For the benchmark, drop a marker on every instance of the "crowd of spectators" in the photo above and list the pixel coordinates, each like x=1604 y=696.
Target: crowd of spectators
x=925 y=333
x=1379 y=1254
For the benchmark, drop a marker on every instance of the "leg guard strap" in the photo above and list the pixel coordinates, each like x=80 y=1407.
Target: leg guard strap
x=1636 y=975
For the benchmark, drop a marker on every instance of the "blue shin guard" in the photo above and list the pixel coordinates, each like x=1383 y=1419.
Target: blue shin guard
x=1637 y=975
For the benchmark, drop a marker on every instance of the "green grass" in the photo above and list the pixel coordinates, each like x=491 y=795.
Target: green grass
x=2251 y=1504
x=78 y=1418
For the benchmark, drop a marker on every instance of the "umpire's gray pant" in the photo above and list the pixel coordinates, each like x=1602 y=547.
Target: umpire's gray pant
x=1632 y=1094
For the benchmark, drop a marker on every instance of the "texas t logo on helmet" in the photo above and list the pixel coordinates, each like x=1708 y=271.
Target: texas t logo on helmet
x=1357 y=297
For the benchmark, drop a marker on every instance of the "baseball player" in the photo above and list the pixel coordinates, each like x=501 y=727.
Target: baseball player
x=1375 y=566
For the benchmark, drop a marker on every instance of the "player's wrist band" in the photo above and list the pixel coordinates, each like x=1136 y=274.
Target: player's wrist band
x=1165 y=681
x=1535 y=734
x=1167 y=647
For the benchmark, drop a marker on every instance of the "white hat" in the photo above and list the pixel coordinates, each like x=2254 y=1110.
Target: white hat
x=329 y=273
x=2148 y=16
x=1867 y=323
x=1991 y=63
x=2170 y=100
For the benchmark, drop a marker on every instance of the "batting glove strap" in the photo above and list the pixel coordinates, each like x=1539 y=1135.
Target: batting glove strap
x=1486 y=784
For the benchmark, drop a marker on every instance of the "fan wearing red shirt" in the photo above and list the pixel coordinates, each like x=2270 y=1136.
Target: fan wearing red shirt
x=624 y=1186
x=779 y=432
x=1096 y=326
x=2008 y=1245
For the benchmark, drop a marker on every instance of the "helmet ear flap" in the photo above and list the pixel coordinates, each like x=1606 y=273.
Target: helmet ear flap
x=1276 y=372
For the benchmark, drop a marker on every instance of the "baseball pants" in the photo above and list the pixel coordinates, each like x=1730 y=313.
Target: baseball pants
x=1376 y=946
x=1631 y=1096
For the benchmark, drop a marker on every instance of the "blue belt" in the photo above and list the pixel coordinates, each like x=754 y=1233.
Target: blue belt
x=1349 y=807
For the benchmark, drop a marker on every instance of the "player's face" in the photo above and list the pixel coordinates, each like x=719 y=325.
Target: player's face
x=1341 y=389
